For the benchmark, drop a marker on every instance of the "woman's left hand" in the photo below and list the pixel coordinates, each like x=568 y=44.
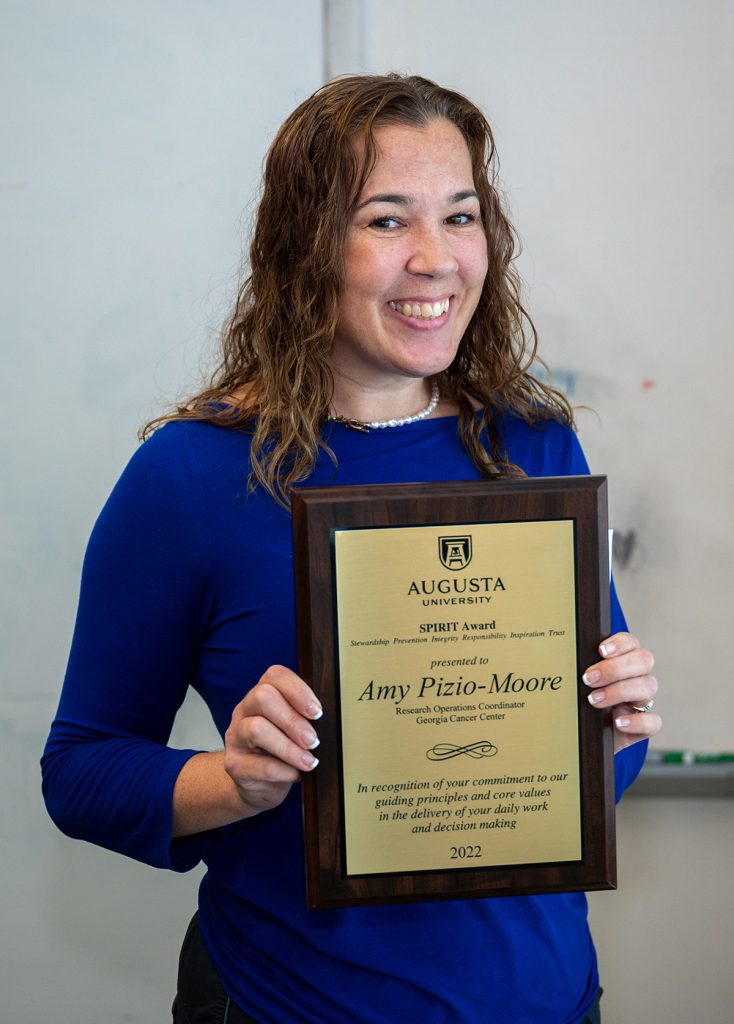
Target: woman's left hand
x=621 y=680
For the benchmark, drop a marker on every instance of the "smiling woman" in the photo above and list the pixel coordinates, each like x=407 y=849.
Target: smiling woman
x=381 y=295
x=377 y=190
x=415 y=262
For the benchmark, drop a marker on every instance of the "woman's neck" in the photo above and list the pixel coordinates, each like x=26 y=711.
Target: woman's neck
x=352 y=401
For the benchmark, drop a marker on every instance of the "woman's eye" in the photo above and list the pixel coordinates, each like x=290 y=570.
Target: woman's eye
x=384 y=223
x=461 y=218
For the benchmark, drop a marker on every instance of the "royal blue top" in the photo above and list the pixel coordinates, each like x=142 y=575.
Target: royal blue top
x=188 y=581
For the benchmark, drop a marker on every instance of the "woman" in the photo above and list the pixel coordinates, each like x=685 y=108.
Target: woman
x=379 y=338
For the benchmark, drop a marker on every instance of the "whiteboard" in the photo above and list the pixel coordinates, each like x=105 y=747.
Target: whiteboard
x=613 y=125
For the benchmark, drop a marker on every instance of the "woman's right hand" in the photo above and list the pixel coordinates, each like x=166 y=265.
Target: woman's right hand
x=270 y=738
x=266 y=747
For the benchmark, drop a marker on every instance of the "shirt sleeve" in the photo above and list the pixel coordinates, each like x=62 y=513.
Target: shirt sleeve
x=108 y=775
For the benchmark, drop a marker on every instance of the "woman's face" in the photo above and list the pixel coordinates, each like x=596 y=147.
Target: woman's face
x=415 y=260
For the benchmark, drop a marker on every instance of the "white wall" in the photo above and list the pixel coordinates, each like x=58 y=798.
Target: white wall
x=665 y=936
x=133 y=135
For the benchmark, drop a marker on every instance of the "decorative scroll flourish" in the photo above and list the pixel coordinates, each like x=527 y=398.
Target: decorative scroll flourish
x=444 y=751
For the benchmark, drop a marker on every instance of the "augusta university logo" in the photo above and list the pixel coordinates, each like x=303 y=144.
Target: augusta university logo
x=454 y=552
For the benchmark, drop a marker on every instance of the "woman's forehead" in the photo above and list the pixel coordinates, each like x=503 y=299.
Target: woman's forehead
x=431 y=154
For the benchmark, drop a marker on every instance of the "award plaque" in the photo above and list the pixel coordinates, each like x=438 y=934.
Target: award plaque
x=444 y=628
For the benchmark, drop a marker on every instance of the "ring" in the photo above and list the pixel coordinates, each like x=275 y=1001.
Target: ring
x=644 y=707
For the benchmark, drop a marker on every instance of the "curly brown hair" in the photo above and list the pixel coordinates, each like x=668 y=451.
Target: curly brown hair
x=274 y=379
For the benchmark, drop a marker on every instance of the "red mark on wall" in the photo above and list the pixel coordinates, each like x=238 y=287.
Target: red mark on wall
x=648 y=385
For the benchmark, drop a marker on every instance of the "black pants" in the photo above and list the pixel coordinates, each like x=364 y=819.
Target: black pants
x=594 y=1014
x=201 y=998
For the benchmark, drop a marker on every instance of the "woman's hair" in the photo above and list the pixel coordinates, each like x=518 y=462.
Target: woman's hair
x=274 y=378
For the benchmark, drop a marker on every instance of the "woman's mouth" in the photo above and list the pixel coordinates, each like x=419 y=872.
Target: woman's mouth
x=420 y=310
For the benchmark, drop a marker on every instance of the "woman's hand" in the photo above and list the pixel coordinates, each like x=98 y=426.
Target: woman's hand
x=270 y=738
x=621 y=680
x=268 y=743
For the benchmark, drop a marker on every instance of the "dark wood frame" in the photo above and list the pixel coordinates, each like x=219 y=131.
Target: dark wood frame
x=316 y=511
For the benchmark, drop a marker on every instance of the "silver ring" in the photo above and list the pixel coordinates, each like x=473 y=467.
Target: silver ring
x=644 y=707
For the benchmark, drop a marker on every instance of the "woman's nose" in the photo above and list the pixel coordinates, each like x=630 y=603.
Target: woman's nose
x=432 y=255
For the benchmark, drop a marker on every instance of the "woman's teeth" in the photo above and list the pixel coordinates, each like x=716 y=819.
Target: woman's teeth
x=423 y=310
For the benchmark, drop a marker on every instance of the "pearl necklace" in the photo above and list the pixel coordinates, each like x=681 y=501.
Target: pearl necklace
x=365 y=427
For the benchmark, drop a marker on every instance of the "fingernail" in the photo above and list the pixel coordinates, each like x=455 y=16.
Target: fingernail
x=309 y=737
x=309 y=761
x=314 y=710
x=592 y=676
x=607 y=649
x=596 y=697
x=621 y=723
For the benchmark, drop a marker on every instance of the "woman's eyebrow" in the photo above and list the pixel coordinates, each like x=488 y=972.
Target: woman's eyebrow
x=403 y=200
x=387 y=197
x=459 y=197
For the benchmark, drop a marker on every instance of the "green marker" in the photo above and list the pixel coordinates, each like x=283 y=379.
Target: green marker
x=689 y=757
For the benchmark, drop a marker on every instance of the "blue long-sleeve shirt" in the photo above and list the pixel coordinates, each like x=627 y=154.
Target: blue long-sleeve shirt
x=188 y=581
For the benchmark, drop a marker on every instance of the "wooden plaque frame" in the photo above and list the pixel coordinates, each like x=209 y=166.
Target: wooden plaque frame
x=316 y=513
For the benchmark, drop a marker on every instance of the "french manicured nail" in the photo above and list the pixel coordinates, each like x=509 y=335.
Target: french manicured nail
x=596 y=697
x=607 y=649
x=592 y=676
x=309 y=737
x=309 y=761
x=314 y=710
x=621 y=723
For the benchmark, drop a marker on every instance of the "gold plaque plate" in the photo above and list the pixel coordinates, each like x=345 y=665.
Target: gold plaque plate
x=458 y=693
